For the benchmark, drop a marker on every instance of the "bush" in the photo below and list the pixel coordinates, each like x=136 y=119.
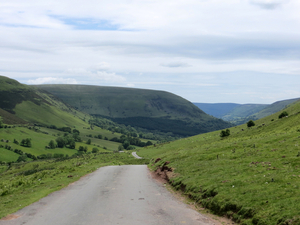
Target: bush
x=52 y=144
x=95 y=150
x=225 y=133
x=26 y=142
x=88 y=142
x=283 y=114
x=250 y=123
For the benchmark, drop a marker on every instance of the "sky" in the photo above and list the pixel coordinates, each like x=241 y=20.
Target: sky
x=207 y=51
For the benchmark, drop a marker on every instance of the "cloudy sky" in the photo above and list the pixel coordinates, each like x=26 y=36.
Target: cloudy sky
x=241 y=51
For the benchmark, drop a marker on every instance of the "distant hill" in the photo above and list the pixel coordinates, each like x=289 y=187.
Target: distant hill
x=273 y=108
x=241 y=113
x=149 y=109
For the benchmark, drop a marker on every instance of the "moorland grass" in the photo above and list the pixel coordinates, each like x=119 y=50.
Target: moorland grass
x=252 y=176
x=24 y=183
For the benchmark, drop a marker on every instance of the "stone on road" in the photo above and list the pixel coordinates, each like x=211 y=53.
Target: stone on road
x=111 y=195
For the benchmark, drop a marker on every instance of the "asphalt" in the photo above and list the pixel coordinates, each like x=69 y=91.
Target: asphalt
x=111 y=195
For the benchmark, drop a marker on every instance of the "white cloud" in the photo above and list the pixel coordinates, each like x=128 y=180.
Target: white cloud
x=52 y=80
x=268 y=4
x=139 y=42
x=175 y=64
x=111 y=77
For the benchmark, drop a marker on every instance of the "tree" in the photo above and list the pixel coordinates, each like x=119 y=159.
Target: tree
x=52 y=144
x=283 y=114
x=225 y=133
x=88 y=141
x=1 y=123
x=250 y=123
x=60 y=142
x=120 y=148
x=26 y=142
x=76 y=131
x=95 y=150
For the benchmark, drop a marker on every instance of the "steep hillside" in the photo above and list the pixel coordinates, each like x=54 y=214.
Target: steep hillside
x=155 y=110
x=217 y=110
x=20 y=103
x=251 y=176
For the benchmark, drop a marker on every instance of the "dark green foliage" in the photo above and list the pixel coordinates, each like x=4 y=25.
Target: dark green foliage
x=76 y=137
x=177 y=127
x=60 y=142
x=95 y=150
x=65 y=129
x=89 y=141
x=250 y=123
x=52 y=144
x=82 y=149
x=283 y=114
x=76 y=131
x=26 y=142
x=22 y=158
x=16 y=142
x=225 y=133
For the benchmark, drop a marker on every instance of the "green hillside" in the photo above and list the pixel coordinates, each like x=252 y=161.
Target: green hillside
x=273 y=108
x=149 y=109
x=252 y=176
x=241 y=113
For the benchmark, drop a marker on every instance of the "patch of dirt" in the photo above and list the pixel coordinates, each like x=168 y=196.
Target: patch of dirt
x=164 y=173
x=10 y=217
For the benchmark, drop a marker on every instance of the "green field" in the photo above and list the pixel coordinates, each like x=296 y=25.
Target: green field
x=251 y=176
x=24 y=183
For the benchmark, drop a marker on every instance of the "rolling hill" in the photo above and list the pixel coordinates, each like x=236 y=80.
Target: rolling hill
x=149 y=109
x=241 y=113
x=252 y=176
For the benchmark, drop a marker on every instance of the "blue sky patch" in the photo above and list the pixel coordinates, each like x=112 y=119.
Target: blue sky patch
x=88 y=23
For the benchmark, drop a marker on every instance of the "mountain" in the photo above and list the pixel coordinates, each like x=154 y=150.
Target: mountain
x=241 y=113
x=149 y=109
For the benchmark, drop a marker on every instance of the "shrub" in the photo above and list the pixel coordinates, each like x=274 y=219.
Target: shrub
x=225 y=133
x=283 y=114
x=95 y=150
x=52 y=144
x=250 y=123
x=88 y=141
x=26 y=142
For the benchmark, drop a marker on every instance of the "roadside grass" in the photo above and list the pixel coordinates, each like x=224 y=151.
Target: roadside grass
x=24 y=183
x=252 y=176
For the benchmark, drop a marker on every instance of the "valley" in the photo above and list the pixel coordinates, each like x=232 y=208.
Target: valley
x=51 y=135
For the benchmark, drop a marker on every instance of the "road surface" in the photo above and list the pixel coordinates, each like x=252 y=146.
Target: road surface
x=111 y=195
x=135 y=155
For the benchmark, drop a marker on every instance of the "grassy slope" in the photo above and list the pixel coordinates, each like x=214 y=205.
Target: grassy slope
x=273 y=108
x=243 y=111
x=25 y=183
x=252 y=176
x=155 y=110
x=40 y=140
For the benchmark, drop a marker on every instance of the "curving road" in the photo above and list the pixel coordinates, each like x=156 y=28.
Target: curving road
x=135 y=155
x=111 y=195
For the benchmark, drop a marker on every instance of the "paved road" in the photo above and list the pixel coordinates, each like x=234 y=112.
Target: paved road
x=135 y=155
x=111 y=195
